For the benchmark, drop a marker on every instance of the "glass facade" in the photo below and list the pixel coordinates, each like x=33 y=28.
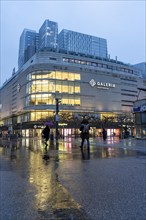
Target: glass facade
x=49 y=39
x=43 y=85
x=27 y=46
x=30 y=41
x=40 y=115
x=82 y=43
x=48 y=34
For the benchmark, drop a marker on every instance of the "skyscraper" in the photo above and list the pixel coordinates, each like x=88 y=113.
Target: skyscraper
x=27 y=46
x=48 y=38
x=82 y=43
x=48 y=35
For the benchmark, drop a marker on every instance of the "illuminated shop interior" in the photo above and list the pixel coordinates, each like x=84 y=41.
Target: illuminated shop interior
x=43 y=85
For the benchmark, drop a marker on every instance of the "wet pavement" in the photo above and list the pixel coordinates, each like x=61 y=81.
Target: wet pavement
x=63 y=183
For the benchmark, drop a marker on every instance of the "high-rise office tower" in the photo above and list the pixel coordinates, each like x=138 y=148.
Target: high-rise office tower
x=27 y=46
x=82 y=43
x=48 y=35
x=48 y=38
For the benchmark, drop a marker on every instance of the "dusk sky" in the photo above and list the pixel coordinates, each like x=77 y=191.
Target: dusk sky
x=122 y=23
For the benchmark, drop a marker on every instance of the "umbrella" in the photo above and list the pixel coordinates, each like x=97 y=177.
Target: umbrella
x=49 y=123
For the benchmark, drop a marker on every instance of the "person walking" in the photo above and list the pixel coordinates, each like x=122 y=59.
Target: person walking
x=84 y=128
x=104 y=134
x=46 y=134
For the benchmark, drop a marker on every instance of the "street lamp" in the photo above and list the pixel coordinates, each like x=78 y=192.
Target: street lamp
x=57 y=117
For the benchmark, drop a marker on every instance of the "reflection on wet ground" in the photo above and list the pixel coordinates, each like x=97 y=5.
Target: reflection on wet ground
x=30 y=159
x=51 y=200
x=65 y=150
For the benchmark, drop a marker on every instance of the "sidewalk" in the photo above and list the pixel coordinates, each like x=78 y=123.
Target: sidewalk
x=108 y=185
x=130 y=143
x=74 y=143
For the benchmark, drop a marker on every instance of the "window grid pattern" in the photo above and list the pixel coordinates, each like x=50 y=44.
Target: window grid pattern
x=43 y=85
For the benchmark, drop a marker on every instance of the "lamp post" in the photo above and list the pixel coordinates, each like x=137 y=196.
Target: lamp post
x=21 y=129
x=58 y=100
x=57 y=118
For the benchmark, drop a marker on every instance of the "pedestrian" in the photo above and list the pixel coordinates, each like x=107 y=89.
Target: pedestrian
x=84 y=128
x=104 y=134
x=46 y=134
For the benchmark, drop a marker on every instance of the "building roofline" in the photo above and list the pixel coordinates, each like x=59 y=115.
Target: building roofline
x=68 y=53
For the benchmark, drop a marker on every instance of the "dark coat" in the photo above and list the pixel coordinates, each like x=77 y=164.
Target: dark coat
x=46 y=133
x=85 y=127
x=104 y=133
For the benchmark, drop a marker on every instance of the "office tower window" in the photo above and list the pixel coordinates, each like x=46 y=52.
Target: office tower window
x=48 y=35
x=27 y=46
x=82 y=43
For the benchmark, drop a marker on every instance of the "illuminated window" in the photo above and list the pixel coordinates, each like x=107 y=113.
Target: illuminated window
x=65 y=76
x=32 y=76
x=38 y=99
x=43 y=86
x=32 y=100
x=38 y=88
x=45 y=76
x=38 y=115
x=71 y=88
x=65 y=87
x=58 y=75
x=33 y=88
x=71 y=76
x=77 y=76
x=38 y=76
x=77 y=87
x=58 y=86
x=77 y=100
x=51 y=86
x=18 y=119
x=44 y=99
x=43 y=115
x=64 y=101
x=52 y=75
x=32 y=116
x=71 y=101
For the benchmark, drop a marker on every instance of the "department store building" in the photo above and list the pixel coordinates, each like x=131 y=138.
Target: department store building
x=85 y=85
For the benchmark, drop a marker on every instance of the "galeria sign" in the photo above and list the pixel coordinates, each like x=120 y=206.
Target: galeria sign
x=92 y=83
